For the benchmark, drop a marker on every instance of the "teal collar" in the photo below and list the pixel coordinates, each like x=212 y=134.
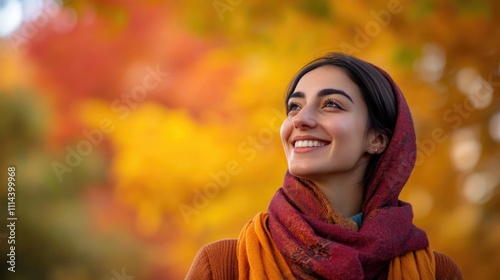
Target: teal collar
x=358 y=218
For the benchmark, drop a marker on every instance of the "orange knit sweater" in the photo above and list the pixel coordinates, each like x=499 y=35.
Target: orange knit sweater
x=218 y=261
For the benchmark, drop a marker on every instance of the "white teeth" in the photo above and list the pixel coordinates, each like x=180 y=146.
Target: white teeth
x=308 y=143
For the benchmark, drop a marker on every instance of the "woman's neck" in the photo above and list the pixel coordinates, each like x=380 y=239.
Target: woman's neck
x=344 y=194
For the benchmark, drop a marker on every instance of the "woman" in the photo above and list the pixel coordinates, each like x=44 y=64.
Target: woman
x=350 y=146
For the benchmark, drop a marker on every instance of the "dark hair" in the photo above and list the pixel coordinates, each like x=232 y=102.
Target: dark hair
x=375 y=89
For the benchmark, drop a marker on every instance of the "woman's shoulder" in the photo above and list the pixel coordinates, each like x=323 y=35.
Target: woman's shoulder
x=446 y=268
x=216 y=260
x=223 y=246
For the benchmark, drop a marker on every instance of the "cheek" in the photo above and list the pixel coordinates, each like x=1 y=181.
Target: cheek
x=347 y=131
x=340 y=128
x=285 y=131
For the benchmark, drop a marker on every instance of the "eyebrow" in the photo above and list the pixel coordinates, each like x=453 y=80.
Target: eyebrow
x=321 y=93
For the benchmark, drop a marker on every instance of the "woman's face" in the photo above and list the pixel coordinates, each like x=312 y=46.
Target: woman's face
x=325 y=133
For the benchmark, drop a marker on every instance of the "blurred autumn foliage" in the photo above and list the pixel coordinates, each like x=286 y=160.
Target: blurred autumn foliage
x=142 y=130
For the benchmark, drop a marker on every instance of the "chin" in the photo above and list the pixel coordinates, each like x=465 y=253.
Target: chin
x=301 y=172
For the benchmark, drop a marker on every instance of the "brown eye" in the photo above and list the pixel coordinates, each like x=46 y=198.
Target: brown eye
x=292 y=107
x=332 y=104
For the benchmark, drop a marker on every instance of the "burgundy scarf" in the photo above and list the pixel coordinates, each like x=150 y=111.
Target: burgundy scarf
x=319 y=243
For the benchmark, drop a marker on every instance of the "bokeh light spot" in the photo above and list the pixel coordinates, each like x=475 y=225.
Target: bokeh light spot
x=476 y=88
x=465 y=149
x=11 y=17
x=431 y=65
x=478 y=187
x=494 y=127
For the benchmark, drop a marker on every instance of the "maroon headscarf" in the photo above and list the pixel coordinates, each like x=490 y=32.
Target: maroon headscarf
x=319 y=243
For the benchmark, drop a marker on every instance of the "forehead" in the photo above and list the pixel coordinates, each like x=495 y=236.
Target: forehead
x=327 y=77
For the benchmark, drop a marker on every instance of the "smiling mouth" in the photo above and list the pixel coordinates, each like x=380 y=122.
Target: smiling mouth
x=308 y=143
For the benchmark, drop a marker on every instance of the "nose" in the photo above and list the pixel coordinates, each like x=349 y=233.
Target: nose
x=305 y=118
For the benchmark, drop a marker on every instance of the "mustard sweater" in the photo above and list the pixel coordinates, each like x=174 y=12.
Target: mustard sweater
x=218 y=261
